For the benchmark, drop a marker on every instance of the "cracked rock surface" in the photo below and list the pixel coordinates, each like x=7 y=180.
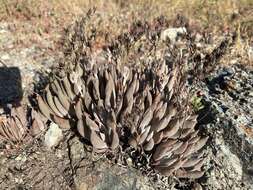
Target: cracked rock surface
x=67 y=167
x=227 y=95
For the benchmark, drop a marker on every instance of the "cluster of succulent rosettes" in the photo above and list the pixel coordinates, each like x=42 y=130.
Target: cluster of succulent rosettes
x=56 y=102
x=14 y=127
x=166 y=134
x=94 y=102
x=114 y=106
x=178 y=151
x=19 y=125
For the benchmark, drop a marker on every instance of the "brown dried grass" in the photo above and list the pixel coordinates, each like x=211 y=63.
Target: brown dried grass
x=50 y=17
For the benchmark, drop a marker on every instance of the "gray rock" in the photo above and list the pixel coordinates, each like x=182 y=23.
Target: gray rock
x=53 y=136
x=95 y=172
x=104 y=175
x=233 y=161
x=227 y=93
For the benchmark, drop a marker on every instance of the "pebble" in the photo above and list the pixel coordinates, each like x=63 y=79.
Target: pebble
x=53 y=136
x=172 y=34
x=21 y=158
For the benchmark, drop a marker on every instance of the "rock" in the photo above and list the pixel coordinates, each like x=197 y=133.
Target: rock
x=233 y=161
x=21 y=158
x=198 y=37
x=101 y=175
x=94 y=172
x=98 y=173
x=230 y=88
x=172 y=34
x=77 y=151
x=227 y=94
x=53 y=136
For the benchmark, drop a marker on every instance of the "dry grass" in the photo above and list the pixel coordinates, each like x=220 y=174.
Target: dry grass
x=210 y=14
x=49 y=17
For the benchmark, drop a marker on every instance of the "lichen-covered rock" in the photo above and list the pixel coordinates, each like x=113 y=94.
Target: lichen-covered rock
x=226 y=96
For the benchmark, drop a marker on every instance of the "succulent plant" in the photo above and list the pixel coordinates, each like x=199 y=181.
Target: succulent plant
x=37 y=124
x=168 y=135
x=132 y=97
x=110 y=103
x=178 y=151
x=94 y=104
x=13 y=127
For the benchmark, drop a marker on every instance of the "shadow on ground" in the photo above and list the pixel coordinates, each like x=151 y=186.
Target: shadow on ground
x=10 y=86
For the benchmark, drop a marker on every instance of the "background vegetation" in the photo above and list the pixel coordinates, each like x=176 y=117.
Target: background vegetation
x=49 y=17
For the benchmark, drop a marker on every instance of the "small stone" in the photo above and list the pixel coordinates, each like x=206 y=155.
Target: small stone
x=5 y=56
x=129 y=161
x=233 y=61
x=172 y=34
x=21 y=158
x=198 y=37
x=53 y=136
